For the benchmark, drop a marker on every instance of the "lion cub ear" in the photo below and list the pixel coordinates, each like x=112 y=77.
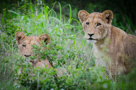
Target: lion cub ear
x=45 y=37
x=108 y=15
x=82 y=15
x=19 y=36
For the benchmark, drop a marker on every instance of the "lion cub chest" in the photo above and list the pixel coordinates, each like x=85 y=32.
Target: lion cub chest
x=100 y=56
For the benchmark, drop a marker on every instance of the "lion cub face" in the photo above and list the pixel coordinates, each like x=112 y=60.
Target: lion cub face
x=25 y=42
x=96 y=25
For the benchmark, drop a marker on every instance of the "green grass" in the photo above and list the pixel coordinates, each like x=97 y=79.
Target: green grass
x=68 y=49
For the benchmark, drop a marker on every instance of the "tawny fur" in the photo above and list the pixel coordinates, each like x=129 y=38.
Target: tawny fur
x=119 y=55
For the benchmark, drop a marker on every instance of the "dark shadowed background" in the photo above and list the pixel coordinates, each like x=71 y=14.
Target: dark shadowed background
x=124 y=9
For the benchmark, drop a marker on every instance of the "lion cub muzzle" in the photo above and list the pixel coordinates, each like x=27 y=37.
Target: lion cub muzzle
x=90 y=36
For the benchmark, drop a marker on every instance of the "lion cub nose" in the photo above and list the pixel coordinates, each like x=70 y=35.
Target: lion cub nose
x=90 y=35
x=27 y=55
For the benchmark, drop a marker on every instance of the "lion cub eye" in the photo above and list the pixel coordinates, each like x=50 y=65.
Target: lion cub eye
x=98 y=24
x=23 y=45
x=87 y=23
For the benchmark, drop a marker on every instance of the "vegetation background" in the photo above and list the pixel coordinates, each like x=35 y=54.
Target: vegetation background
x=68 y=48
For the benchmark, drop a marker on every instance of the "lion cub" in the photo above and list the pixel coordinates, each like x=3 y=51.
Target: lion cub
x=25 y=47
x=113 y=48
